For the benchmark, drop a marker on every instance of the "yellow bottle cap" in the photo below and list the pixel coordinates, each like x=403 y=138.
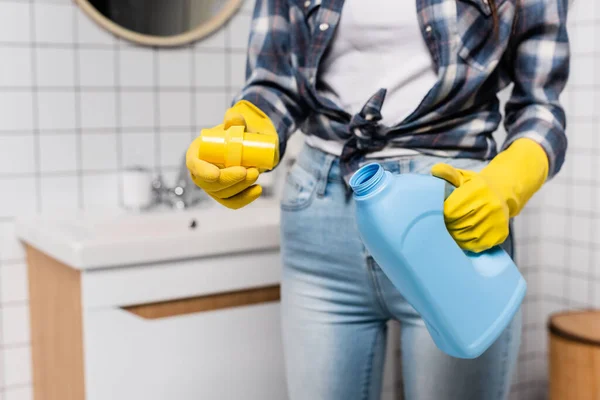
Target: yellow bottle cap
x=235 y=147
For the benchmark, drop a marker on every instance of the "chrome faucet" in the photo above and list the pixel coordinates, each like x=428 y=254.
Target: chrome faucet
x=183 y=195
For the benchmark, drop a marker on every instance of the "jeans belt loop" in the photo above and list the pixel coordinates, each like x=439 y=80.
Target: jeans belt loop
x=324 y=175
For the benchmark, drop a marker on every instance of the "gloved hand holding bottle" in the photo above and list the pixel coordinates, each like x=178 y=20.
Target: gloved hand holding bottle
x=477 y=213
x=228 y=181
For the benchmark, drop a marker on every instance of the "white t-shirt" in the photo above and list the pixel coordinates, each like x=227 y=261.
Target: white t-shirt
x=378 y=44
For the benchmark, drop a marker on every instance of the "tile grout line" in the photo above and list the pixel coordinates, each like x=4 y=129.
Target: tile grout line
x=594 y=188
x=14 y=304
x=524 y=310
x=16 y=386
x=58 y=174
x=193 y=117
x=219 y=90
x=157 y=129
x=111 y=89
x=11 y=262
x=568 y=228
x=103 y=130
x=2 y=363
x=118 y=119
x=19 y=345
x=78 y=123
x=35 y=112
x=106 y=46
x=228 y=62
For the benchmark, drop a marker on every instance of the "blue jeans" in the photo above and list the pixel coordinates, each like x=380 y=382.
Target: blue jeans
x=336 y=302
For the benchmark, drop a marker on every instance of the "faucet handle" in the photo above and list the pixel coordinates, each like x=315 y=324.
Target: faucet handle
x=182 y=195
x=159 y=188
x=158 y=183
x=179 y=190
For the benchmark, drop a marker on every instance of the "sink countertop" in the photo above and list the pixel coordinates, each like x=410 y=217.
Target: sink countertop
x=89 y=240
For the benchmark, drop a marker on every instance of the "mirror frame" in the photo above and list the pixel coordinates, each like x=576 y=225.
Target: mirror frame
x=200 y=32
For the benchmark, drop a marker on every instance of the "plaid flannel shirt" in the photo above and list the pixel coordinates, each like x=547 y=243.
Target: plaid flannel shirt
x=459 y=114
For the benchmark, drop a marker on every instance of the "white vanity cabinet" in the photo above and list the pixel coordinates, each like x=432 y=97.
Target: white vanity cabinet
x=149 y=344
x=206 y=326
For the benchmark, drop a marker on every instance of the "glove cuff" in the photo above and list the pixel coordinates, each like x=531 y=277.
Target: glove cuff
x=250 y=111
x=518 y=173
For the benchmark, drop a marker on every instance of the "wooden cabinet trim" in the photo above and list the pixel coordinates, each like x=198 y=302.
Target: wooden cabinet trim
x=219 y=301
x=56 y=328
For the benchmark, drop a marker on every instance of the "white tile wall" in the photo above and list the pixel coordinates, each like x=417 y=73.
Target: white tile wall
x=585 y=133
x=59 y=200
x=56 y=110
x=171 y=144
x=98 y=151
x=218 y=40
x=16 y=154
x=11 y=247
x=18 y=72
x=15 y=324
x=15 y=22
x=17 y=370
x=136 y=67
x=53 y=22
x=175 y=69
x=581 y=69
x=209 y=71
x=77 y=106
x=568 y=254
x=13 y=283
x=19 y=196
x=17 y=110
x=237 y=69
x=54 y=67
x=19 y=393
x=101 y=190
x=97 y=110
x=97 y=67
x=89 y=33
x=137 y=109
x=138 y=149
x=584 y=35
x=239 y=31
x=59 y=152
x=209 y=105
x=175 y=109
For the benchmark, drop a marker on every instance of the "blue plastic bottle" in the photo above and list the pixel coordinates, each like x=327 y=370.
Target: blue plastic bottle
x=465 y=299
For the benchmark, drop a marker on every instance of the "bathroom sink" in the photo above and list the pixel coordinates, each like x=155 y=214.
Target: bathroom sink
x=104 y=240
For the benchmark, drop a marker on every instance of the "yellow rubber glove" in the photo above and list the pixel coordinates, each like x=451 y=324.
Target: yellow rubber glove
x=477 y=213
x=246 y=114
x=233 y=187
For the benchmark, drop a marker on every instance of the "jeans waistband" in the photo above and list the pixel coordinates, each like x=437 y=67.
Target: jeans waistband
x=326 y=167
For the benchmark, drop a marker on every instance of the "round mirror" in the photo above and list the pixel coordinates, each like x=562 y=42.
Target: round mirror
x=160 y=22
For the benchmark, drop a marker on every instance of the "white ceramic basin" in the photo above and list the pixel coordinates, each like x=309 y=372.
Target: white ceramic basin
x=88 y=240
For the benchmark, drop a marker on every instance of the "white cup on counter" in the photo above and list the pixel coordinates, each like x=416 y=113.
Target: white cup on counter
x=137 y=188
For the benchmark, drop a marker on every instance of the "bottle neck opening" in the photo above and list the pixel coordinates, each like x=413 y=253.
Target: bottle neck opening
x=367 y=179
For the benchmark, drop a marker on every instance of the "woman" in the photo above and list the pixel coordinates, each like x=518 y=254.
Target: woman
x=411 y=84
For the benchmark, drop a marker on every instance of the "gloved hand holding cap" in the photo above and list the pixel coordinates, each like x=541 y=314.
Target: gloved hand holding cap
x=225 y=161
